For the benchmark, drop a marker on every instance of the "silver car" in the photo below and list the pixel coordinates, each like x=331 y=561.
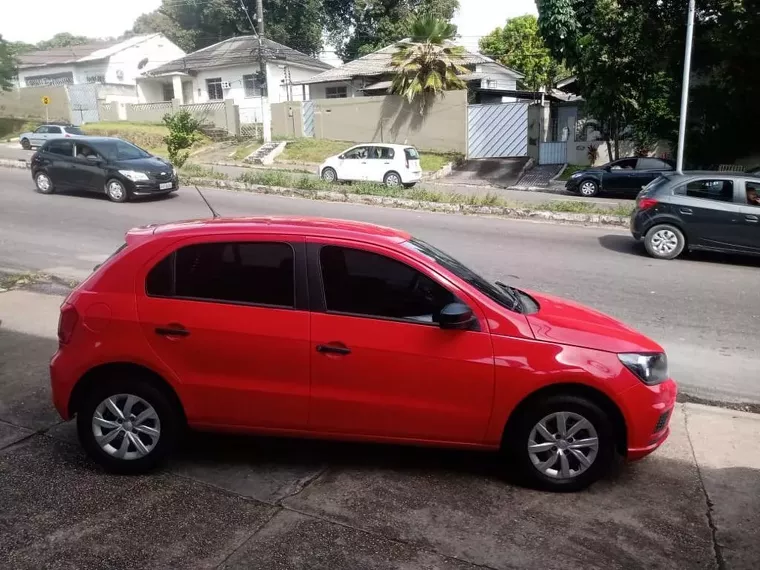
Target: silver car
x=44 y=133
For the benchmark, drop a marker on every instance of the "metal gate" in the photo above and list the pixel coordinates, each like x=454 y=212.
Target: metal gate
x=552 y=152
x=497 y=130
x=84 y=103
x=307 y=113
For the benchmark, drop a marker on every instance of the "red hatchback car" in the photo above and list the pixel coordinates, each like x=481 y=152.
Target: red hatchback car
x=344 y=330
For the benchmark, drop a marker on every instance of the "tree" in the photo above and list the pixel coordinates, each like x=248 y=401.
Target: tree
x=64 y=39
x=7 y=65
x=361 y=27
x=519 y=46
x=195 y=24
x=184 y=132
x=427 y=65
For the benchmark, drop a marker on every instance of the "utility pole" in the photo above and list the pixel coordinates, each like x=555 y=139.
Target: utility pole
x=685 y=87
x=265 y=117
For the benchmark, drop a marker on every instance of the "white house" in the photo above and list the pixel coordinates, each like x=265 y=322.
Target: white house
x=115 y=63
x=231 y=70
x=372 y=75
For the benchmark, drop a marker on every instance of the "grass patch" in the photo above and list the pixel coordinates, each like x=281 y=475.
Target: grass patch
x=242 y=151
x=570 y=169
x=430 y=162
x=149 y=136
x=11 y=128
x=199 y=171
x=285 y=179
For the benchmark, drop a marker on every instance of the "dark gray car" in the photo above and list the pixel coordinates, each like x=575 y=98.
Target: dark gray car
x=715 y=211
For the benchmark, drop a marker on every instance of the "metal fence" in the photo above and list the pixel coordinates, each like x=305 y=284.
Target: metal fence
x=552 y=152
x=307 y=113
x=208 y=113
x=84 y=103
x=148 y=112
x=497 y=130
x=252 y=131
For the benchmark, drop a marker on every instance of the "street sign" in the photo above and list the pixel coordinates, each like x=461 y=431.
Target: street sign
x=45 y=100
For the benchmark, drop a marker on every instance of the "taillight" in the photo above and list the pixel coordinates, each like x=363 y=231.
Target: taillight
x=67 y=136
x=66 y=323
x=646 y=203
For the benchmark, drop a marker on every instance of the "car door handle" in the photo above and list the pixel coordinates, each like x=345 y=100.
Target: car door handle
x=172 y=329
x=752 y=219
x=686 y=211
x=332 y=349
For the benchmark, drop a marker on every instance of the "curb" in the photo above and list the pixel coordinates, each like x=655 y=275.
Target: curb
x=14 y=163
x=441 y=207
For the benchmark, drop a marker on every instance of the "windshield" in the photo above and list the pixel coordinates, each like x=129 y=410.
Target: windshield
x=466 y=274
x=120 y=150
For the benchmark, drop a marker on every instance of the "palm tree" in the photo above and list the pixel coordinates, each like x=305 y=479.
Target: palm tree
x=426 y=65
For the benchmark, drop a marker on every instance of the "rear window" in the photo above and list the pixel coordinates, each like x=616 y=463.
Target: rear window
x=74 y=130
x=411 y=153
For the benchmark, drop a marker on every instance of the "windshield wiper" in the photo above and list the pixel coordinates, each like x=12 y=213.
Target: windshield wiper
x=513 y=294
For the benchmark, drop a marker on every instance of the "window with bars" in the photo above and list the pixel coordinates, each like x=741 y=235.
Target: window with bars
x=214 y=88
x=168 y=91
x=340 y=92
x=252 y=85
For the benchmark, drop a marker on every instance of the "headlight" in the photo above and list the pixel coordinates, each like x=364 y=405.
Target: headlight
x=133 y=175
x=650 y=368
x=576 y=175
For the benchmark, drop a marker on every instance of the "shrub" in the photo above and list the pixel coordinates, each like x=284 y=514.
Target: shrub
x=184 y=131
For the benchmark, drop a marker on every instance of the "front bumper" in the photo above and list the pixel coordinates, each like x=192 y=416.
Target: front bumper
x=648 y=411
x=572 y=185
x=151 y=187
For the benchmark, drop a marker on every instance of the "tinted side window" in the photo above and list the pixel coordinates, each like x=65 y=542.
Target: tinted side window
x=383 y=152
x=360 y=152
x=73 y=130
x=364 y=283
x=62 y=147
x=54 y=130
x=652 y=164
x=709 y=189
x=256 y=273
x=625 y=164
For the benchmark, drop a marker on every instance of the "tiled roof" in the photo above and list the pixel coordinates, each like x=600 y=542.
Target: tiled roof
x=239 y=50
x=77 y=54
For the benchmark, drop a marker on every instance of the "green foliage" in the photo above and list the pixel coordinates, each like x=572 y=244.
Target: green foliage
x=195 y=24
x=519 y=46
x=200 y=171
x=360 y=27
x=64 y=39
x=184 y=131
x=426 y=66
x=7 y=65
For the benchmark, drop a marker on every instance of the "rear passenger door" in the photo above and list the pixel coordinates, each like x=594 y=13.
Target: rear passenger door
x=709 y=208
x=58 y=157
x=750 y=216
x=228 y=315
x=379 y=163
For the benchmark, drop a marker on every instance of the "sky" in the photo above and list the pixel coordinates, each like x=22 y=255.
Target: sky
x=24 y=20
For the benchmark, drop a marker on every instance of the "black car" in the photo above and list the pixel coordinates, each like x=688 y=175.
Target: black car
x=715 y=211
x=626 y=176
x=111 y=166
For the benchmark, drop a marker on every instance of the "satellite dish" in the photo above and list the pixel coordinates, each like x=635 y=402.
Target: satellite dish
x=119 y=74
x=143 y=63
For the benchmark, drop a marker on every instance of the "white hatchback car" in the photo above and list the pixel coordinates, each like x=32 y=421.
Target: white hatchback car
x=391 y=164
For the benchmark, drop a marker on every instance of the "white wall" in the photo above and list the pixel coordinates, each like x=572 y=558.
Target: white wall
x=499 y=77
x=149 y=91
x=158 y=50
x=317 y=90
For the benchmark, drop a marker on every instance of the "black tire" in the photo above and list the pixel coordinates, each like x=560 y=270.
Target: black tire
x=329 y=175
x=25 y=144
x=170 y=424
x=121 y=195
x=44 y=183
x=410 y=185
x=588 y=188
x=392 y=179
x=664 y=241
x=516 y=441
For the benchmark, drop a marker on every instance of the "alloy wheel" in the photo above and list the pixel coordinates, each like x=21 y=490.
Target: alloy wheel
x=43 y=183
x=328 y=175
x=664 y=242
x=392 y=180
x=588 y=188
x=115 y=190
x=563 y=445
x=126 y=427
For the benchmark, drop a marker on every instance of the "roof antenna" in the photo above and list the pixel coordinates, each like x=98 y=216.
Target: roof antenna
x=213 y=212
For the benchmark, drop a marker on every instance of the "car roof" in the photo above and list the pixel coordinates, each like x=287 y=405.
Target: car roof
x=387 y=145
x=713 y=173
x=297 y=226
x=86 y=138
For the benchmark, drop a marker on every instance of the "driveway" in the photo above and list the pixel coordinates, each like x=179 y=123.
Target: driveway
x=499 y=172
x=245 y=502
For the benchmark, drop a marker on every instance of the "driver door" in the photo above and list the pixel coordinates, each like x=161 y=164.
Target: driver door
x=381 y=366
x=620 y=176
x=353 y=165
x=39 y=136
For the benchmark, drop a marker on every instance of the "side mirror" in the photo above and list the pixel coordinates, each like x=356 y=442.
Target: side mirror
x=94 y=159
x=341 y=156
x=456 y=316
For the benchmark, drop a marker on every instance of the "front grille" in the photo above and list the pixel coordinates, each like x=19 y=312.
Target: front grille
x=662 y=422
x=166 y=176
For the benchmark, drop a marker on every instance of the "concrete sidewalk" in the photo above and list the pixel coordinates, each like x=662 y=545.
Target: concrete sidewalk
x=234 y=502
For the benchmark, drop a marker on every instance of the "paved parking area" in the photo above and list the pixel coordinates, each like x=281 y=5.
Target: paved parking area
x=242 y=502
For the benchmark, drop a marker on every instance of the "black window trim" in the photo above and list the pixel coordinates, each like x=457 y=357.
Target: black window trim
x=317 y=290
x=300 y=291
x=684 y=186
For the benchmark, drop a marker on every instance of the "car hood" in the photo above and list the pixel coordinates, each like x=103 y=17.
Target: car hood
x=153 y=165
x=562 y=321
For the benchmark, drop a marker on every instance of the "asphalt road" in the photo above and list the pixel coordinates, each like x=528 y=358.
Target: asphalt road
x=704 y=309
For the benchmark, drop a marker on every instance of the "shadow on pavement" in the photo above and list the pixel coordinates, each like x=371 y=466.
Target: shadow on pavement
x=622 y=244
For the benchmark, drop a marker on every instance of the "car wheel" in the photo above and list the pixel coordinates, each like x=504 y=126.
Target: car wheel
x=410 y=185
x=561 y=443
x=44 y=184
x=115 y=191
x=392 y=179
x=664 y=242
x=25 y=144
x=127 y=425
x=329 y=175
x=588 y=188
